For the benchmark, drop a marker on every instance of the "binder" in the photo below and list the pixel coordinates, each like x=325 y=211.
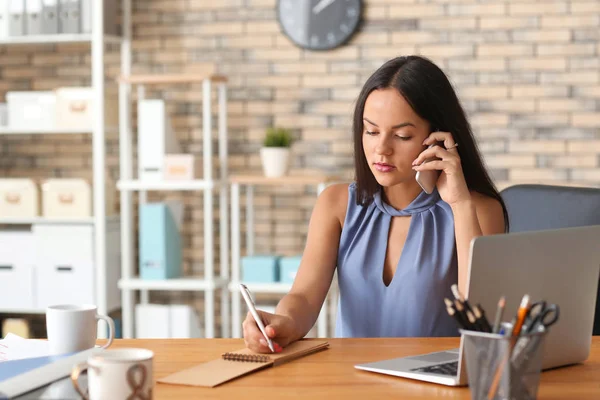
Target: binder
x=69 y=16
x=16 y=24
x=87 y=16
x=49 y=17
x=33 y=13
x=4 y=19
x=110 y=16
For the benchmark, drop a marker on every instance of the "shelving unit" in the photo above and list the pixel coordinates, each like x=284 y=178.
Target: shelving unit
x=128 y=185
x=38 y=131
x=97 y=40
x=249 y=181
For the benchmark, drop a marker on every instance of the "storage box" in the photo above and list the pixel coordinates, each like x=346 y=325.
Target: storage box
x=184 y=322
x=260 y=269
x=161 y=321
x=31 y=110
x=64 y=283
x=160 y=243
x=72 y=198
x=66 y=198
x=288 y=268
x=75 y=108
x=179 y=167
x=152 y=321
x=19 y=198
x=17 y=270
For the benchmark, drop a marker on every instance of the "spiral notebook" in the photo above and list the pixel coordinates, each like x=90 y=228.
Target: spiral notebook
x=238 y=363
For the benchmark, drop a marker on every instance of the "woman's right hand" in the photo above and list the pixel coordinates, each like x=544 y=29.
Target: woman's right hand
x=280 y=330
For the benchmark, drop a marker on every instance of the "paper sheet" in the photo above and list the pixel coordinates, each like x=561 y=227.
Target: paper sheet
x=14 y=347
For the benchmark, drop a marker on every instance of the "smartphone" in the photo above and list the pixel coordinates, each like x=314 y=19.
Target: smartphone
x=428 y=179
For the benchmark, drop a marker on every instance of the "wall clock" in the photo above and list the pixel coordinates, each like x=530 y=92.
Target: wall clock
x=319 y=24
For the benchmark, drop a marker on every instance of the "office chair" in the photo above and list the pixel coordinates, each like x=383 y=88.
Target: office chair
x=537 y=207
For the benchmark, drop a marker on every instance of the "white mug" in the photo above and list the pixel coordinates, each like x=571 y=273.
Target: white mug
x=117 y=374
x=73 y=328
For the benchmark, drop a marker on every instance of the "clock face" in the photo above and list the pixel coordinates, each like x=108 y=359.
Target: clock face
x=319 y=24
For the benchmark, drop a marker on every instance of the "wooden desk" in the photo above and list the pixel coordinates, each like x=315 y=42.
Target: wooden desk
x=330 y=374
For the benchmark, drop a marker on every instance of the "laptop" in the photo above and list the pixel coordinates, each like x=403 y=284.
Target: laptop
x=560 y=266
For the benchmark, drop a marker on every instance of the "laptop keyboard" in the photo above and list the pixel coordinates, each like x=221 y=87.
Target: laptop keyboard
x=450 y=368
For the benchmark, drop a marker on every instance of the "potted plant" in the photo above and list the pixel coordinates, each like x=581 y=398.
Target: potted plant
x=275 y=153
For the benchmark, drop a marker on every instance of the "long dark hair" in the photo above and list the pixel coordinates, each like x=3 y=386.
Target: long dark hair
x=427 y=89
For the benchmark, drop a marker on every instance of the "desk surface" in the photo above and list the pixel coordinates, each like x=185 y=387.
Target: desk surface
x=330 y=374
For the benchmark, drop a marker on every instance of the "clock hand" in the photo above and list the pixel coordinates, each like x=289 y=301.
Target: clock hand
x=322 y=5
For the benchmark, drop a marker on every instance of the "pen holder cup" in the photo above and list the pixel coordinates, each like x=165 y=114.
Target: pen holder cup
x=503 y=368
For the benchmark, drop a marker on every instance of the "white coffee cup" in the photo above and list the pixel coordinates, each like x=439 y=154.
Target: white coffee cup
x=117 y=374
x=73 y=328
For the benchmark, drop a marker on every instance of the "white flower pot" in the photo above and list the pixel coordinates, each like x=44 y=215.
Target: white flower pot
x=275 y=161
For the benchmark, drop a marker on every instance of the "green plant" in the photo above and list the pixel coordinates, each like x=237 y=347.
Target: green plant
x=278 y=137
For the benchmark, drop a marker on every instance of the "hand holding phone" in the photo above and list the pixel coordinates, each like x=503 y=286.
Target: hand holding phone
x=428 y=179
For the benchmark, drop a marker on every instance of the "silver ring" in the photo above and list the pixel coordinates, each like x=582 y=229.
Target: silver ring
x=453 y=146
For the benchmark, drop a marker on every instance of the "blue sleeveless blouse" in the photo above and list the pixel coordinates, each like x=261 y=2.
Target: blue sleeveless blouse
x=412 y=305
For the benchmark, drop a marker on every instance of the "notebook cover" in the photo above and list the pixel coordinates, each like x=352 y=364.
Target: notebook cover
x=216 y=372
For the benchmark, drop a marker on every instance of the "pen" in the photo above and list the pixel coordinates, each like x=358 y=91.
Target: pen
x=252 y=308
x=499 y=313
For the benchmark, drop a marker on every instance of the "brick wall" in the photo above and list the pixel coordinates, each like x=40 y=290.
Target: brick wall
x=526 y=71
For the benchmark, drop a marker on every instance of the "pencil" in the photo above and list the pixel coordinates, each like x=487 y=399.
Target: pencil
x=460 y=310
x=521 y=314
x=480 y=315
x=473 y=321
x=458 y=296
x=499 y=313
x=452 y=312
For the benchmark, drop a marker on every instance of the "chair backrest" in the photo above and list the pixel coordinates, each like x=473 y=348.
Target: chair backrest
x=538 y=207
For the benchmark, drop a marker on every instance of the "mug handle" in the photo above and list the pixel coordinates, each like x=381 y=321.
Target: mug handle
x=111 y=328
x=77 y=371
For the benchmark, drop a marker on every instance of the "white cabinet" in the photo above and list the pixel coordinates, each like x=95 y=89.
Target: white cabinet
x=53 y=263
x=64 y=283
x=64 y=243
x=16 y=270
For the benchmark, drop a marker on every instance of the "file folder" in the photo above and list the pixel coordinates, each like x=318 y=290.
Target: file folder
x=70 y=16
x=49 y=17
x=16 y=24
x=33 y=12
x=4 y=19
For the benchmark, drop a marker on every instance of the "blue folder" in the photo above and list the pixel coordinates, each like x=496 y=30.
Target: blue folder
x=10 y=369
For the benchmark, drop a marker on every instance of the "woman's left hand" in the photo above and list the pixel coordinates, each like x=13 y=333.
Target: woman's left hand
x=451 y=183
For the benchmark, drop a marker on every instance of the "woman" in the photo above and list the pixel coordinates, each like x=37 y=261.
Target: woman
x=398 y=249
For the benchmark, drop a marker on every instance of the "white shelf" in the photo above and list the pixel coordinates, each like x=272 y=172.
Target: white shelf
x=42 y=220
x=55 y=39
x=197 y=184
x=41 y=131
x=21 y=311
x=186 y=283
x=279 y=288
x=50 y=221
